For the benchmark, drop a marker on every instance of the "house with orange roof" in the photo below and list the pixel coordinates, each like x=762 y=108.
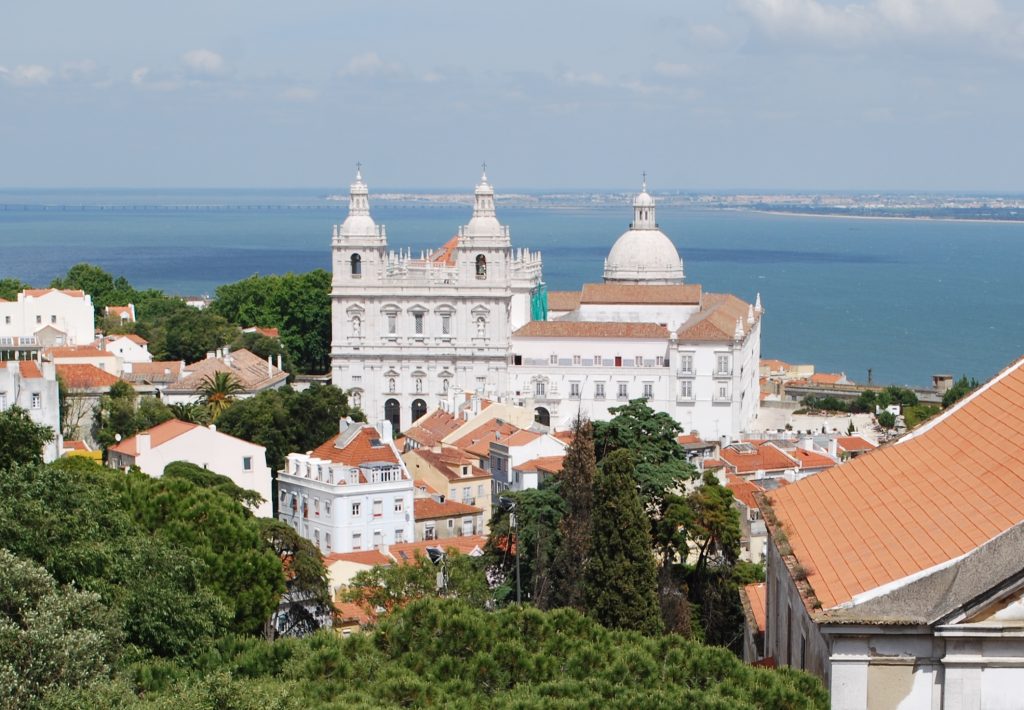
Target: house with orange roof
x=129 y=347
x=431 y=429
x=244 y=462
x=454 y=475
x=849 y=447
x=897 y=577
x=438 y=518
x=252 y=372
x=90 y=354
x=753 y=533
x=351 y=493
x=122 y=314
x=530 y=474
x=33 y=387
x=152 y=376
x=46 y=317
x=265 y=332
x=343 y=566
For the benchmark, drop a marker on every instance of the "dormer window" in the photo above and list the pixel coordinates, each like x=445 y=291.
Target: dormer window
x=465 y=469
x=357 y=265
x=481 y=266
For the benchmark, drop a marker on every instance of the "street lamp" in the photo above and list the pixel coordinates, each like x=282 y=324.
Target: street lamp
x=510 y=505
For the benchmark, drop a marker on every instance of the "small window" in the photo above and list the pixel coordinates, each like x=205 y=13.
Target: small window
x=577 y=360
x=357 y=265
x=648 y=390
x=399 y=536
x=599 y=390
x=355 y=510
x=552 y=359
x=481 y=266
x=399 y=505
x=598 y=360
x=247 y=463
x=417 y=319
x=451 y=523
x=7 y=320
x=327 y=541
x=327 y=507
x=37 y=400
x=639 y=360
x=39 y=319
x=392 y=324
x=378 y=539
x=53 y=319
x=446 y=325
x=686 y=389
x=378 y=508
x=722 y=362
x=574 y=390
x=623 y=390
x=538 y=389
x=316 y=506
x=357 y=541
x=686 y=363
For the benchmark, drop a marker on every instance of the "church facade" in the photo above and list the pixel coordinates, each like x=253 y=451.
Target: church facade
x=474 y=316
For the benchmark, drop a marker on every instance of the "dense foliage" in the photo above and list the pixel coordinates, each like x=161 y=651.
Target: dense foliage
x=21 y=439
x=121 y=413
x=960 y=389
x=443 y=653
x=284 y=420
x=866 y=402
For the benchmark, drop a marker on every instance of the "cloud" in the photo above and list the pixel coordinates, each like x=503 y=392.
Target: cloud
x=78 y=70
x=26 y=75
x=369 y=64
x=673 y=71
x=589 y=78
x=203 y=63
x=139 y=75
x=298 y=93
x=599 y=80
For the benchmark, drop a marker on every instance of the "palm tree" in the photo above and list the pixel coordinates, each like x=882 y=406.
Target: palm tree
x=193 y=412
x=218 y=391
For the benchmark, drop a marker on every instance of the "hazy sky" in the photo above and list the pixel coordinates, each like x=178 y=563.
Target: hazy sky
x=812 y=94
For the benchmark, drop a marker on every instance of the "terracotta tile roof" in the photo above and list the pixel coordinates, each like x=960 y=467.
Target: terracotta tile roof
x=854 y=444
x=73 y=445
x=405 y=553
x=521 y=437
x=757 y=595
x=432 y=428
x=158 y=435
x=430 y=509
x=350 y=611
x=712 y=464
x=83 y=377
x=743 y=490
x=826 y=378
x=478 y=441
x=547 y=464
x=158 y=372
x=360 y=449
x=29 y=370
x=716 y=319
x=76 y=351
x=119 y=311
x=265 y=332
x=563 y=300
x=565 y=436
x=640 y=294
x=251 y=371
x=361 y=557
x=775 y=364
x=811 y=459
x=763 y=457
x=37 y=292
x=448 y=463
x=591 y=329
x=425 y=487
x=938 y=493
x=688 y=439
x=137 y=339
x=446 y=254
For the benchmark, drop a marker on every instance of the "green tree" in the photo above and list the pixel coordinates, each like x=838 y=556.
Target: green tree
x=307 y=597
x=577 y=489
x=150 y=412
x=51 y=637
x=10 y=288
x=958 y=391
x=902 y=396
x=886 y=419
x=193 y=412
x=21 y=439
x=114 y=416
x=219 y=391
x=189 y=334
x=105 y=290
x=620 y=579
x=264 y=347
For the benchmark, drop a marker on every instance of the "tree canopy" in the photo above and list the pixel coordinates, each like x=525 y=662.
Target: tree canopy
x=21 y=439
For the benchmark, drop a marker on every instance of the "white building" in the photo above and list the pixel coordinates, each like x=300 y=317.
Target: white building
x=474 y=316
x=33 y=387
x=406 y=330
x=242 y=461
x=353 y=492
x=129 y=347
x=45 y=317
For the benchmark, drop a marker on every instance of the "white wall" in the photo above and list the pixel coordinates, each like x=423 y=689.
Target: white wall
x=38 y=397
x=27 y=315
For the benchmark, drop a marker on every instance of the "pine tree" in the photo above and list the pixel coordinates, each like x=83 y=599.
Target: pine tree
x=577 y=488
x=620 y=583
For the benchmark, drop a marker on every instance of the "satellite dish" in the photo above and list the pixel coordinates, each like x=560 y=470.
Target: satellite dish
x=117 y=437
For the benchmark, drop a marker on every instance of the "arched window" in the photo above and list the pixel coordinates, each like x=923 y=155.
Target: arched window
x=481 y=266
x=419 y=408
x=393 y=413
x=357 y=326
x=357 y=265
x=542 y=416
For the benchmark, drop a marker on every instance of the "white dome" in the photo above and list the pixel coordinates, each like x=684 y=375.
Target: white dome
x=644 y=256
x=643 y=200
x=359 y=225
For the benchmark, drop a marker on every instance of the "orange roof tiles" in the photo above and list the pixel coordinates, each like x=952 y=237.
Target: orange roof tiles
x=595 y=329
x=37 y=292
x=826 y=378
x=360 y=449
x=29 y=369
x=448 y=463
x=743 y=490
x=521 y=438
x=712 y=464
x=446 y=254
x=405 y=553
x=252 y=371
x=432 y=428
x=158 y=371
x=854 y=444
x=716 y=319
x=757 y=595
x=350 y=611
x=361 y=557
x=775 y=364
x=937 y=494
x=265 y=332
x=547 y=464
x=641 y=294
x=430 y=509
x=74 y=445
x=77 y=351
x=81 y=377
x=479 y=440
x=811 y=459
x=160 y=434
x=563 y=300
x=765 y=457
x=137 y=339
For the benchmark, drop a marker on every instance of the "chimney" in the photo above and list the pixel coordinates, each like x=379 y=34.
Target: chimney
x=270 y=366
x=806 y=443
x=213 y=427
x=386 y=432
x=833 y=447
x=344 y=424
x=210 y=354
x=143 y=443
x=279 y=363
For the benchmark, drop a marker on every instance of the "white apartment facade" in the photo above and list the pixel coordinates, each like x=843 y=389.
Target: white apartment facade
x=33 y=387
x=47 y=317
x=351 y=493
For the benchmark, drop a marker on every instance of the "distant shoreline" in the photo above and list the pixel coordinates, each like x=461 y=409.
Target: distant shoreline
x=922 y=218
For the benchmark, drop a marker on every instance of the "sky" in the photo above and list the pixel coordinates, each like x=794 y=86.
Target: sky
x=816 y=95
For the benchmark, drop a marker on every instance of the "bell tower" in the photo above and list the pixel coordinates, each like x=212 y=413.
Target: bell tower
x=359 y=245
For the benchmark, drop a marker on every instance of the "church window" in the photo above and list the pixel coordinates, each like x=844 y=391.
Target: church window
x=539 y=389
x=481 y=327
x=417 y=320
x=357 y=265
x=623 y=390
x=553 y=359
x=392 y=323
x=481 y=266
x=446 y=325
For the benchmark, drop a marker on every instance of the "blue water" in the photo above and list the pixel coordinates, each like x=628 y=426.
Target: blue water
x=906 y=298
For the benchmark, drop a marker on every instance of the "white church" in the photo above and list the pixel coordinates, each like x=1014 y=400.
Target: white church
x=474 y=316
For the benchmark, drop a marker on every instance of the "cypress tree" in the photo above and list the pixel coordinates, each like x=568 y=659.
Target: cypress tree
x=577 y=489
x=620 y=582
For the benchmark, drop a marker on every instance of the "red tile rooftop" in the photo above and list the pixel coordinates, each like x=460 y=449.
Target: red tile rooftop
x=430 y=509
x=81 y=377
x=595 y=329
x=361 y=449
x=158 y=435
x=757 y=595
x=29 y=370
x=940 y=492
